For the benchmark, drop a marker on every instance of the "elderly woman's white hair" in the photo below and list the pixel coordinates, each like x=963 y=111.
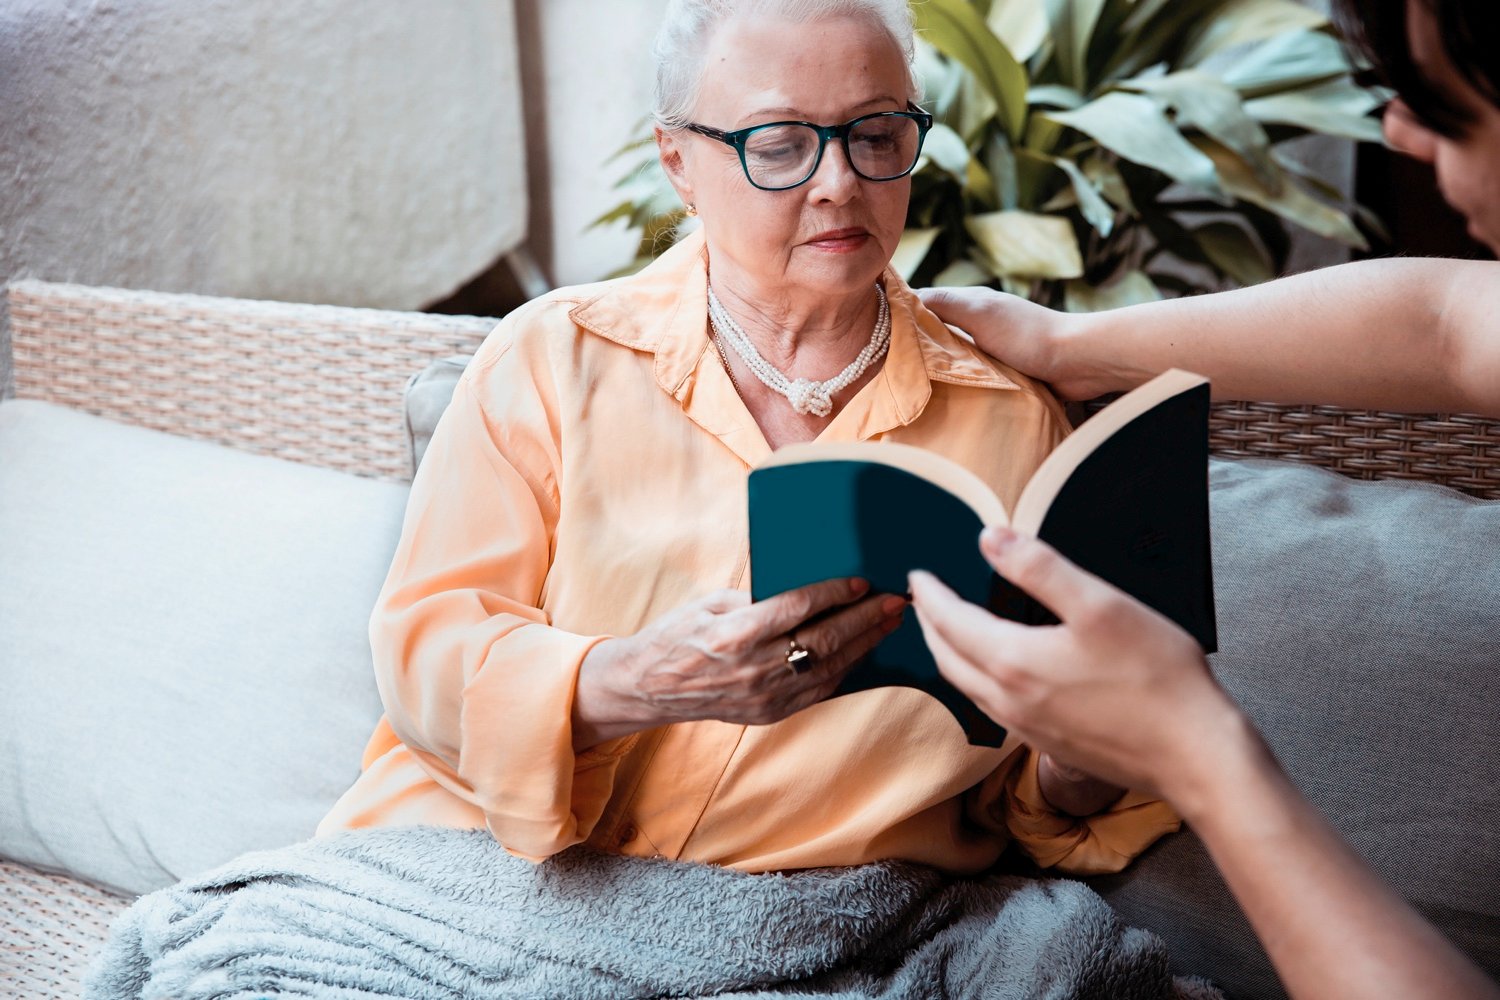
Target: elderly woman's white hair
x=683 y=40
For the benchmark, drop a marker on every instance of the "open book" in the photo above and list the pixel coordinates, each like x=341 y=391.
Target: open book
x=1125 y=496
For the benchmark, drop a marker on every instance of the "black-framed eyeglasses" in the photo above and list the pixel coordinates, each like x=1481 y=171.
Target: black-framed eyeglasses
x=781 y=155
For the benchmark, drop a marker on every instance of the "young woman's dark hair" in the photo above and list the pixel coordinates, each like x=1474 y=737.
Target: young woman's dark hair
x=1470 y=30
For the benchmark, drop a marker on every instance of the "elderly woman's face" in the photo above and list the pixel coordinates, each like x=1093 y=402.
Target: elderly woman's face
x=834 y=233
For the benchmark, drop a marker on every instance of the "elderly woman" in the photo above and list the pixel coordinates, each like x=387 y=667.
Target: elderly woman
x=564 y=644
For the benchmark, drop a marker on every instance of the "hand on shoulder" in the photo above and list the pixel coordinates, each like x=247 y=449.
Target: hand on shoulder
x=1032 y=339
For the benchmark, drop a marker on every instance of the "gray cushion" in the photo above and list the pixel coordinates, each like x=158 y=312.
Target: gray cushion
x=427 y=395
x=183 y=653
x=1359 y=626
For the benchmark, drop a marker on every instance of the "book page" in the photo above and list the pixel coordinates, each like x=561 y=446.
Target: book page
x=1043 y=487
x=937 y=469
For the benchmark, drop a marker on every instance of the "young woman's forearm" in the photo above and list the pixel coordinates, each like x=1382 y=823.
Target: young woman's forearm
x=1331 y=927
x=1407 y=334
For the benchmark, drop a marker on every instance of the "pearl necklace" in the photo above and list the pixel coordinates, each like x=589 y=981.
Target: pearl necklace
x=805 y=395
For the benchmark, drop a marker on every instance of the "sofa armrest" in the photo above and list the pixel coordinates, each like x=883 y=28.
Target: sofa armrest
x=320 y=385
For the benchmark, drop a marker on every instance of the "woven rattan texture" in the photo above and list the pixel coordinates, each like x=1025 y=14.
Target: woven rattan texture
x=314 y=384
x=322 y=385
x=1460 y=451
x=51 y=926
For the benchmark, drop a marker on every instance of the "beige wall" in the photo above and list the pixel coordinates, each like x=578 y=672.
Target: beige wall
x=586 y=70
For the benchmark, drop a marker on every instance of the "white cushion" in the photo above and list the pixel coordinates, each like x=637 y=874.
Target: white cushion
x=184 y=668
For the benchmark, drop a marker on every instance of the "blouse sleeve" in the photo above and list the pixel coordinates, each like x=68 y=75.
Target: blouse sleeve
x=475 y=680
x=1010 y=800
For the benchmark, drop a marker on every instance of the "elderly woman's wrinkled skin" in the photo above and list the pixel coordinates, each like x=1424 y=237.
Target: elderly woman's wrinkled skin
x=767 y=247
x=796 y=268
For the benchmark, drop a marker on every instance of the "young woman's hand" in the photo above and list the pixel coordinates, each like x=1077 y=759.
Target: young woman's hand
x=1032 y=339
x=1116 y=690
x=724 y=657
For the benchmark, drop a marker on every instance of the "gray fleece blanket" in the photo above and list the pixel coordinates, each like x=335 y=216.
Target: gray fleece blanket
x=424 y=912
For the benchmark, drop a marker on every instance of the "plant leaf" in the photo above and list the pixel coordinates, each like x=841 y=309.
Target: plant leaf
x=1144 y=11
x=1054 y=95
x=1090 y=202
x=1065 y=198
x=1027 y=245
x=957 y=30
x=1302 y=171
x=1154 y=33
x=1286 y=62
x=1020 y=24
x=1173 y=283
x=1128 y=289
x=1214 y=109
x=1002 y=163
x=911 y=250
x=947 y=150
x=980 y=186
x=962 y=274
x=1372 y=223
x=940 y=79
x=1337 y=107
x=1171 y=236
x=1272 y=232
x=1015 y=286
x=624 y=210
x=1244 y=21
x=1072 y=23
x=1230 y=249
x=977 y=110
x=1101 y=170
x=1292 y=203
x=1135 y=127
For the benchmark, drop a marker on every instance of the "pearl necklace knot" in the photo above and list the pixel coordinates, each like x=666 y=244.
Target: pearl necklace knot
x=807 y=396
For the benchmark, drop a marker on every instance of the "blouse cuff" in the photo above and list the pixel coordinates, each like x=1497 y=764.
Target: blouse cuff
x=537 y=795
x=1082 y=845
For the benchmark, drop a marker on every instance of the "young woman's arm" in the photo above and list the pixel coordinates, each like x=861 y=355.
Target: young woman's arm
x=1123 y=693
x=1419 y=335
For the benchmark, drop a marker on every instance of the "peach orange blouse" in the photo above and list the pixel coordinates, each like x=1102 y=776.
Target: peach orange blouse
x=588 y=477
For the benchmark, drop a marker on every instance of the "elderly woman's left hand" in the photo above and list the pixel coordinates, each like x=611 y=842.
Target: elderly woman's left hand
x=723 y=657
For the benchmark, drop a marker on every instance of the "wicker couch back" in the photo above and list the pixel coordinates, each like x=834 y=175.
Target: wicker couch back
x=314 y=384
x=323 y=385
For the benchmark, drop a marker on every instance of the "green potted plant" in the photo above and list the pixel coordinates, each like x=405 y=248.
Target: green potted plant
x=1091 y=153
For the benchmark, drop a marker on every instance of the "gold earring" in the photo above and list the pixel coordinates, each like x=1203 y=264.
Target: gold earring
x=692 y=210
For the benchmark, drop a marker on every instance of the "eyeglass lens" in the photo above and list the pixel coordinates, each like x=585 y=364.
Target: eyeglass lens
x=785 y=155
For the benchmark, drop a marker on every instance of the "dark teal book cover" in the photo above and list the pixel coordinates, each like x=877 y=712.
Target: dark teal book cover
x=1127 y=500
x=819 y=520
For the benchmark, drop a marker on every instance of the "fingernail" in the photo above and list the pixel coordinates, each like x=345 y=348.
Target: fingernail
x=893 y=605
x=997 y=538
x=858 y=586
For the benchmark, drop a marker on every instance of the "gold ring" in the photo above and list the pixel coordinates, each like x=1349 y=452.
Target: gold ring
x=798 y=657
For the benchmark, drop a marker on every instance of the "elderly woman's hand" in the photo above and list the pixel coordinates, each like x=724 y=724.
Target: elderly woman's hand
x=723 y=657
x=1116 y=689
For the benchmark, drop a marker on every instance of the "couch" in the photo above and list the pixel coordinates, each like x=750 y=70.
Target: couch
x=198 y=499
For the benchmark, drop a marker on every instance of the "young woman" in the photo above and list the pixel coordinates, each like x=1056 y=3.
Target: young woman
x=1120 y=692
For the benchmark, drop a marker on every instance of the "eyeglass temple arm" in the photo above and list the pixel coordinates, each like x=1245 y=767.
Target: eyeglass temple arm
x=712 y=133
